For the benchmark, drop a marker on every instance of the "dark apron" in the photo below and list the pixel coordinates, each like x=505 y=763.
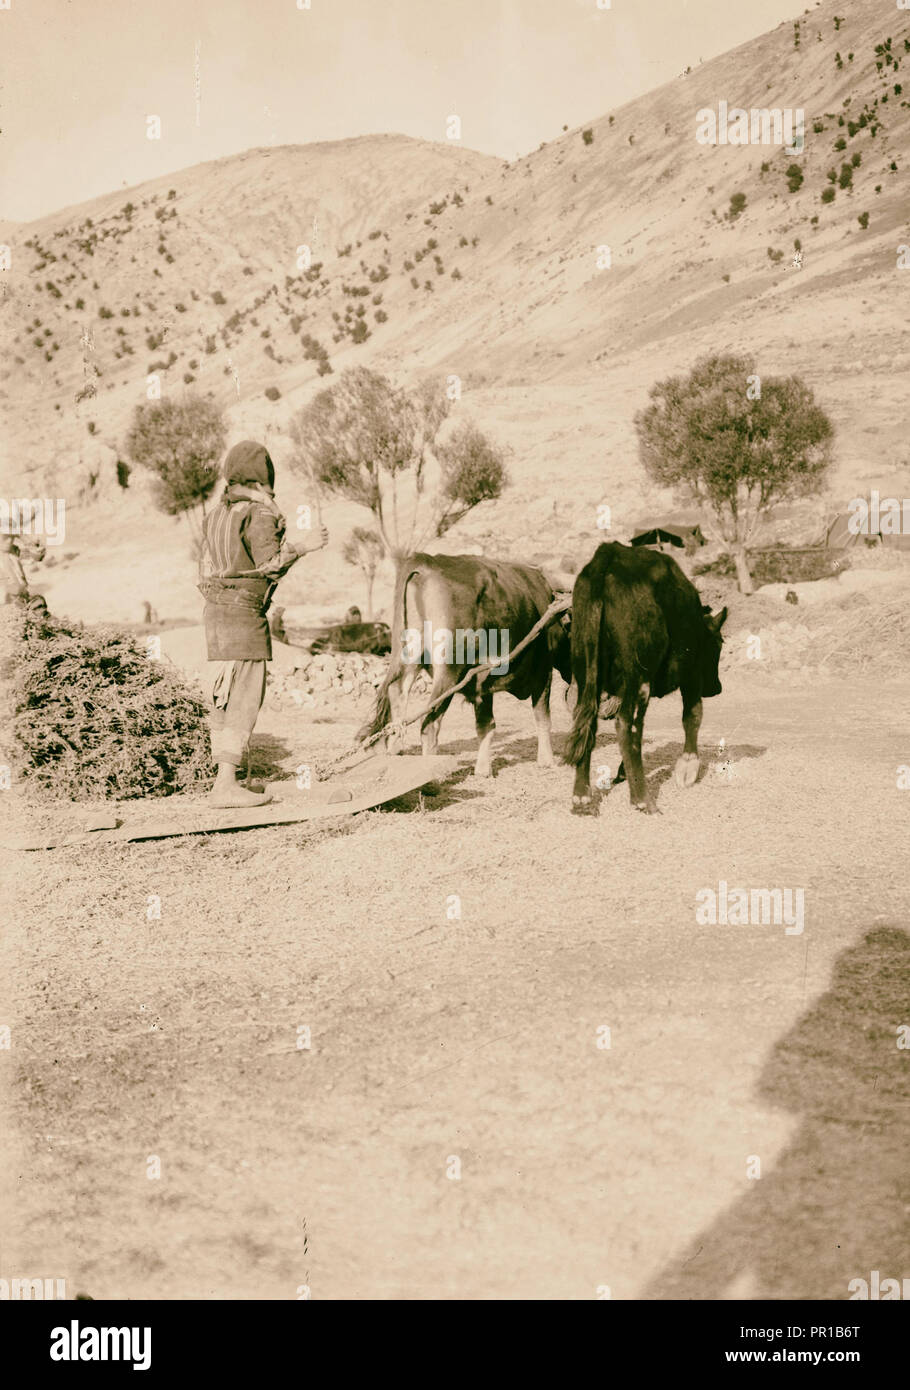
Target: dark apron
x=236 y=627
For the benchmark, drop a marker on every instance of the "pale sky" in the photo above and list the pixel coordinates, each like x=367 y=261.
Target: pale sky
x=79 y=77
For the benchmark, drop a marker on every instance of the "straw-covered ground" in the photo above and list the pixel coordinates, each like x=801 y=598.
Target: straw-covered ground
x=369 y=1058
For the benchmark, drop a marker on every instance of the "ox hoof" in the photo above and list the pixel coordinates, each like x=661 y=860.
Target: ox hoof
x=584 y=806
x=645 y=808
x=546 y=762
x=482 y=774
x=687 y=770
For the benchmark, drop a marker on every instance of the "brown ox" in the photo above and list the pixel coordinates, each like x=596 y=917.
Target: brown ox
x=471 y=608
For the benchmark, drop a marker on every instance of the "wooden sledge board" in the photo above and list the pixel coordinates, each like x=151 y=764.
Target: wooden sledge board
x=372 y=783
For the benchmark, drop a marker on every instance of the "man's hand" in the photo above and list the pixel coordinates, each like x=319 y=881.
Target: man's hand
x=316 y=544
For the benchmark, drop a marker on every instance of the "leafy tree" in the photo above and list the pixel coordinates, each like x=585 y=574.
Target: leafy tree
x=378 y=445
x=364 y=549
x=736 y=457
x=181 y=443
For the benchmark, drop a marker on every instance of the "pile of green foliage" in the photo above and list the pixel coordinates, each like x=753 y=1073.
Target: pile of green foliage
x=96 y=717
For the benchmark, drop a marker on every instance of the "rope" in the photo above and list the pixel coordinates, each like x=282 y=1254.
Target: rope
x=559 y=605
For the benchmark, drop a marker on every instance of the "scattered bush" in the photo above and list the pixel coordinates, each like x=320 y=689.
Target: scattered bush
x=272 y=393
x=586 y=135
x=737 y=204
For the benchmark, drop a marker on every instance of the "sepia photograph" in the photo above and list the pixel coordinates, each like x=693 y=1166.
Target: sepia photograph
x=454 y=656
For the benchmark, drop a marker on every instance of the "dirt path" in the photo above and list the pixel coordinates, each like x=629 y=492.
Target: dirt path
x=437 y=1038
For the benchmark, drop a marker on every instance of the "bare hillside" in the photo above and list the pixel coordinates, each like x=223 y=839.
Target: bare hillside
x=557 y=288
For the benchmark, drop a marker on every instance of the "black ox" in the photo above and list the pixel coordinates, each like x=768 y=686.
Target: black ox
x=639 y=630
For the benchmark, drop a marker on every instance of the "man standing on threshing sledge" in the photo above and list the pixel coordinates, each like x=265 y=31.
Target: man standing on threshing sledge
x=244 y=554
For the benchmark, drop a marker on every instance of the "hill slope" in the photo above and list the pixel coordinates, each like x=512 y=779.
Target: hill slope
x=430 y=258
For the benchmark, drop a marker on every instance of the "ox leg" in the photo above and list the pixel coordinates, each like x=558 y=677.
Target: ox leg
x=429 y=729
x=687 y=765
x=486 y=727
x=542 y=721
x=629 y=726
x=584 y=803
x=399 y=708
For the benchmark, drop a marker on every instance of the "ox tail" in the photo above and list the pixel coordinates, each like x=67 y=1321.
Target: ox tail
x=587 y=626
x=382 y=711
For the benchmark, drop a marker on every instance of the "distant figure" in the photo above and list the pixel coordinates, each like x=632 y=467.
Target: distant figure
x=276 y=625
x=15 y=584
x=149 y=614
x=13 y=575
x=353 y=615
x=791 y=596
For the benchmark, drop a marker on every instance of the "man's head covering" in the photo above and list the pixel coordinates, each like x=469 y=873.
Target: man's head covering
x=248 y=465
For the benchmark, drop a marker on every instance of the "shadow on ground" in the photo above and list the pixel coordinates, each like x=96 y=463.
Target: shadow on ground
x=659 y=763
x=836 y=1205
x=267 y=756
